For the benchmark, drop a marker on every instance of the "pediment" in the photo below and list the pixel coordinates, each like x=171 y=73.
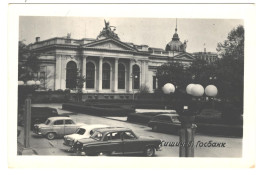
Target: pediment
x=110 y=44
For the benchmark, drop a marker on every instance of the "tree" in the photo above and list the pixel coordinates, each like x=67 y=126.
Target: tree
x=80 y=80
x=233 y=47
x=27 y=62
x=230 y=72
x=201 y=71
x=172 y=72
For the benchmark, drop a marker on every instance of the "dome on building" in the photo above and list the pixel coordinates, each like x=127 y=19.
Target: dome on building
x=175 y=44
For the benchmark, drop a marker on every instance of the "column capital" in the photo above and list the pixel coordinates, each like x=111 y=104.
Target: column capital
x=101 y=57
x=116 y=58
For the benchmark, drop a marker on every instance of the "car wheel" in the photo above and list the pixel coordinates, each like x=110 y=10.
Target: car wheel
x=105 y=153
x=149 y=151
x=50 y=135
x=155 y=128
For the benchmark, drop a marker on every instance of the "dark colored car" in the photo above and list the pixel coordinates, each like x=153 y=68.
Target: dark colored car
x=106 y=141
x=166 y=122
x=38 y=115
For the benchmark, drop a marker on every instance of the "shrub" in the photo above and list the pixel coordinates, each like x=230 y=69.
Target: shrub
x=100 y=110
x=231 y=113
x=67 y=90
x=59 y=90
x=220 y=130
x=144 y=89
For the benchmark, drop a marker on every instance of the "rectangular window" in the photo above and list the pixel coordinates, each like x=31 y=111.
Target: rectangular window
x=106 y=79
x=154 y=82
x=121 y=80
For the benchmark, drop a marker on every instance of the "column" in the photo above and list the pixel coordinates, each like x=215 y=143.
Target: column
x=147 y=74
x=130 y=85
x=116 y=75
x=100 y=74
x=84 y=71
x=58 y=72
x=143 y=72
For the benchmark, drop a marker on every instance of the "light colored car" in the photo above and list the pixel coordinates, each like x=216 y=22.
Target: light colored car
x=56 y=127
x=82 y=132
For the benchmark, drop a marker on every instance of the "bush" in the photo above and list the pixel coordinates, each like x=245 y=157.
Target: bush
x=59 y=90
x=67 y=90
x=220 y=130
x=144 y=89
x=231 y=113
x=100 y=110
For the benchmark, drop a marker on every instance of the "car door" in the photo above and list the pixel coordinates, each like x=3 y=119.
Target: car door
x=69 y=127
x=113 y=142
x=58 y=127
x=131 y=143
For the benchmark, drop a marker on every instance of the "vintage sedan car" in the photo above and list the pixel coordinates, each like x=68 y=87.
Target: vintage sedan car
x=106 y=141
x=56 y=127
x=82 y=132
x=38 y=115
x=166 y=122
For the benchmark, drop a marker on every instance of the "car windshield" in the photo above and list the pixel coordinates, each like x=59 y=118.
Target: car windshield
x=47 y=122
x=97 y=136
x=80 y=131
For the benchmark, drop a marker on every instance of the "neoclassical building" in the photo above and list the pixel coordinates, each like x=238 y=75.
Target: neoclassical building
x=108 y=64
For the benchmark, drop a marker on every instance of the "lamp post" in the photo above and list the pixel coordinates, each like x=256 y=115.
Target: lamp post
x=133 y=76
x=25 y=91
x=187 y=111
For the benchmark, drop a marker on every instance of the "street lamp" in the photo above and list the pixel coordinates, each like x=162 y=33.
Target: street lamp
x=187 y=111
x=133 y=76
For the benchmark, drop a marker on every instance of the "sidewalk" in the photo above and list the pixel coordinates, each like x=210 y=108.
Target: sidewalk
x=21 y=150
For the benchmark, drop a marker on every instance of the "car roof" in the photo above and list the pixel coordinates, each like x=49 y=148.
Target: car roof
x=59 y=118
x=113 y=129
x=170 y=115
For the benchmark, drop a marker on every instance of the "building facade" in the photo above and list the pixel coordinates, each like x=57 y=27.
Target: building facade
x=210 y=57
x=108 y=64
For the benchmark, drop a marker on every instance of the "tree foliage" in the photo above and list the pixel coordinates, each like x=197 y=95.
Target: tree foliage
x=27 y=62
x=172 y=72
x=80 y=80
x=233 y=46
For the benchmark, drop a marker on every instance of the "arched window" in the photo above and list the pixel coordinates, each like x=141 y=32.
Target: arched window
x=106 y=76
x=136 y=76
x=90 y=75
x=121 y=76
x=71 y=75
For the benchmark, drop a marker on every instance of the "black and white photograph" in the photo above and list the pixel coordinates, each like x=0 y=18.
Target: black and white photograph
x=130 y=87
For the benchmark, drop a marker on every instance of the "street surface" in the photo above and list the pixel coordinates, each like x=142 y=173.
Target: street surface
x=227 y=147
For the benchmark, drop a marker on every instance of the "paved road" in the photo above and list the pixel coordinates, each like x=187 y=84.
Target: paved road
x=233 y=146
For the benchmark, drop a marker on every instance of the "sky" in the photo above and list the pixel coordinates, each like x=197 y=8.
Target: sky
x=154 y=32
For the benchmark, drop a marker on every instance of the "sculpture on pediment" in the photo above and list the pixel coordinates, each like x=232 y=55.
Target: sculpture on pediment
x=108 y=32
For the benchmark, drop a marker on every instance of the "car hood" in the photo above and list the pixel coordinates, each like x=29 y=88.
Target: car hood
x=77 y=136
x=42 y=125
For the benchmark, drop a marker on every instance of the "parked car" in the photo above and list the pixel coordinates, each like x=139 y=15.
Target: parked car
x=106 y=141
x=38 y=115
x=56 y=126
x=82 y=132
x=166 y=122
